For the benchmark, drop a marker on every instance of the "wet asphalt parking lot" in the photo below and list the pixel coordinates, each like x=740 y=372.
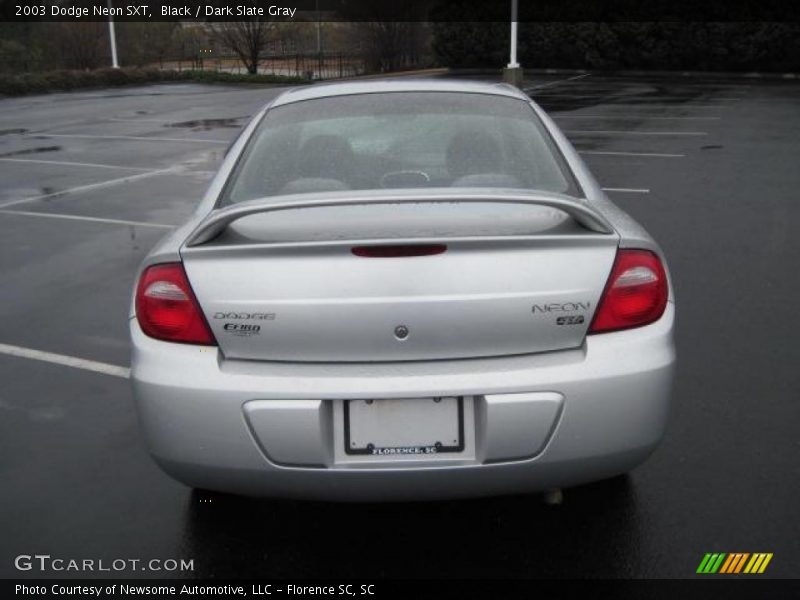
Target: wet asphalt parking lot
x=89 y=181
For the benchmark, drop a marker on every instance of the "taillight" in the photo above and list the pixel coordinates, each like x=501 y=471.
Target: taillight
x=635 y=295
x=167 y=308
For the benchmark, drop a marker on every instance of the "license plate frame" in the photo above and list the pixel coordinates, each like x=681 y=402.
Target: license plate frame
x=412 y=450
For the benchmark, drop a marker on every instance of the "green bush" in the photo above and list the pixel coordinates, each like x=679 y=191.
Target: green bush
x=61 y=81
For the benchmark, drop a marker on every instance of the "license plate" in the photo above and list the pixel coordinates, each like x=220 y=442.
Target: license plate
x=413 y=427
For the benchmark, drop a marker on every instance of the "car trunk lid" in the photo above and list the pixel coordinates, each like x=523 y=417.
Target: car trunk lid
x=503 y=280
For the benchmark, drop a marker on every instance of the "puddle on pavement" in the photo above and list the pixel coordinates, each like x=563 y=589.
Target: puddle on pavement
x=206 y=124
x=657 y=96
x=12 y=131
x=25 y=193
x=588 y=144
x=711 y=147
x=37 y=150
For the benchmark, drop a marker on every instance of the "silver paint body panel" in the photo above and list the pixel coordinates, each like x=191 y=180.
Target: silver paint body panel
x=474 y=300
x=615 y=388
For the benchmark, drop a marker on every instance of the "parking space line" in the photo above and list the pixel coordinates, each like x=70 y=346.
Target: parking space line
x=62 y=126
x=70 y=164
x=25 y=213
x=648 y=154
x=66 y=361
x=635 y=118
x=627 y=190
x=91 y=186
x=631 y=132
x=130 y=137
x=552 y=83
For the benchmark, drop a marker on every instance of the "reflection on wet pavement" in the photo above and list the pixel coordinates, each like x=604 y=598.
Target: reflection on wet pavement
x=511 y=536
x=208 y=124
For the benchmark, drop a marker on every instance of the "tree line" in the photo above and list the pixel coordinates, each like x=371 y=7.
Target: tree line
x=48 y=46
x=662 y=45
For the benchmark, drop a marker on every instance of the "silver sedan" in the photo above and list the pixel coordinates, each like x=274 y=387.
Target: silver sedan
x=402 y=290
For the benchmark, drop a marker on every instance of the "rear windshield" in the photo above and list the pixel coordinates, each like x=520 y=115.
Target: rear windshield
x=399 y=140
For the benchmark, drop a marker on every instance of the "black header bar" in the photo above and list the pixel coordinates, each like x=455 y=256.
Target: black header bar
x=401 y=10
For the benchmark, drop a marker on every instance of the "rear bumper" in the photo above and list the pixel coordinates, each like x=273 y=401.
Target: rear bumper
x=266 y=429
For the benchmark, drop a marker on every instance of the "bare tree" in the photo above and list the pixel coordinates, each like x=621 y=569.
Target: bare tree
x=390 y=45
x=246 y=38
x=81 y=45
x=145 y=43
x=390 y=37
x=189 y=41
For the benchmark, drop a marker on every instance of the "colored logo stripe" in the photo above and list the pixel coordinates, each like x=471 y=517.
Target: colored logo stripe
x=758 y=563
x=734 y=562
x=710 y=563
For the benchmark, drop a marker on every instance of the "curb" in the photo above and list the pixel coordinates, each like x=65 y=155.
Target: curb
x=658 y=73
x=637 y=73
x=417 y=72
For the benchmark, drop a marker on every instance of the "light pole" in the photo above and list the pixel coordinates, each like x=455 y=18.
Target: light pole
x=319 y=42
x=112 y=36
x=512 y=63
x=513 y=72
x=319 y=29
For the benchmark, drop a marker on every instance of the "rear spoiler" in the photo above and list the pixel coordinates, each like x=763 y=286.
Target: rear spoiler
x=219 y=219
